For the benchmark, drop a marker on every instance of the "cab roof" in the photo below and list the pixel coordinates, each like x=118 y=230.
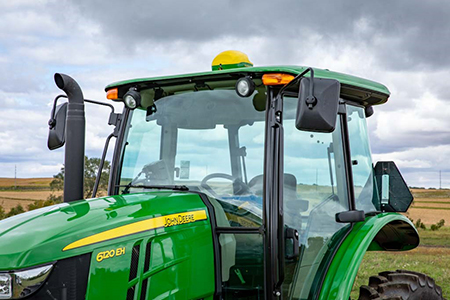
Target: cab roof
x=363 y=91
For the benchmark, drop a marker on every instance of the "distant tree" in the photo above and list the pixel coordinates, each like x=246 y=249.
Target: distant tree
x=91 y=166
x=90 y=175
x=39 y=203
x=57 y=184
x=438 y=225
x=2 y=213
x=18 y=209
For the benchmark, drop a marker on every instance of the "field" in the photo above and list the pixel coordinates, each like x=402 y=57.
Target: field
x=23 y=191
x=25 y=182
x=430 y=206
x=431 y=257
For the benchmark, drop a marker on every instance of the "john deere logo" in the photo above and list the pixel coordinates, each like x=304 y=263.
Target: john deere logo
x=178 y=220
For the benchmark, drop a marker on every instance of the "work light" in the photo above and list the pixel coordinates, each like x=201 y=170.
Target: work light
x=132 y=98
x=245 y=86
x=5 y=286
x=20 y=284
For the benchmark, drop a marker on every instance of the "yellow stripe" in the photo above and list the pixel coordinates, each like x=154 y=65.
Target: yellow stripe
x=158 y=222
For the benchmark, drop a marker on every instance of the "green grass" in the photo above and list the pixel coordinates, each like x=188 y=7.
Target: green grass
x=431 y=193
x=439 y=238
x=431 y=258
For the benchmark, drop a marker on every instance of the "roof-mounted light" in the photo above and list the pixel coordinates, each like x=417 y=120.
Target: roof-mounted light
x=245 y=86
x=277 y=79
x=112 y=94
x=132 y=98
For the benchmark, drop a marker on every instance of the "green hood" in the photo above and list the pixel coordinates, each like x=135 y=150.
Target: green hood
x=39 y=236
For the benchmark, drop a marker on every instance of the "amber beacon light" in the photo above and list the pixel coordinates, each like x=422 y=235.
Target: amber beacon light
x=277 y=79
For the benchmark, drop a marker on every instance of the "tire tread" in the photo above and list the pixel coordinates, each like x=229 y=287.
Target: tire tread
x=400 y=285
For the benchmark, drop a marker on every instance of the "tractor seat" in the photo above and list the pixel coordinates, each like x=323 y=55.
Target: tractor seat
x=293 y=206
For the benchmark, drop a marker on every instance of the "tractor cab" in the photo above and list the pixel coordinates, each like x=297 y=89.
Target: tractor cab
x=238 y=183
x=283 y=199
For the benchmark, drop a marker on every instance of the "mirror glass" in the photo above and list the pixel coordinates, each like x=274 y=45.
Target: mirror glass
x=56 y=135
x=394 y=192
x=385 y=189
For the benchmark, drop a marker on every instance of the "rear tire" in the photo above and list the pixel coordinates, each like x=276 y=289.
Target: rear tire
x=400 y=285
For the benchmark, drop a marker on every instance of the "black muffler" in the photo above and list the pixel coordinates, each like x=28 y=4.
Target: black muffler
x=74 y=137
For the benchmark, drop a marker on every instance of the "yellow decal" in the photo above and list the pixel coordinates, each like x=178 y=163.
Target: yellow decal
x=110 y=254
x=158 y=222
x=179 y=219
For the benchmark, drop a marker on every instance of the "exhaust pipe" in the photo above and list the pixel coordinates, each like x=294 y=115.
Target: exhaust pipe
x=75 y=138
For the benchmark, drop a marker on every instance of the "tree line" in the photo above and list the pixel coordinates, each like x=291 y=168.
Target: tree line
x=57 y=184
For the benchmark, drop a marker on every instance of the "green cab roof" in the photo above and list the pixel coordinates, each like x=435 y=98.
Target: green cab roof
x=362 y=90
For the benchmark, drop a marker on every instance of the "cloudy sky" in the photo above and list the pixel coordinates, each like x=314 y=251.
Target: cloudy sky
x=404 y=44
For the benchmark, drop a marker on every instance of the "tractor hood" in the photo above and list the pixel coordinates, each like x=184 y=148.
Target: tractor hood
x=53 y=233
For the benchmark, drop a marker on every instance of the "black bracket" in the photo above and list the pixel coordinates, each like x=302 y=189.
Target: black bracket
x=350 y=216
x=292 y=234
x=52 y=121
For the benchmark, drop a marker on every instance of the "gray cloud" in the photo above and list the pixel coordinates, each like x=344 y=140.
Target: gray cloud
x=401 y=43
x=402 y=34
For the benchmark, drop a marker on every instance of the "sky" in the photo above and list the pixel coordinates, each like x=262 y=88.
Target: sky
x=403 y=44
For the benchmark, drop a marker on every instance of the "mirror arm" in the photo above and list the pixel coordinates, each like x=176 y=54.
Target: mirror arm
x=113 y=117
x=52 y=121
x=100 y=167
x=311 y=101
x=296 y=79
x=100 y=103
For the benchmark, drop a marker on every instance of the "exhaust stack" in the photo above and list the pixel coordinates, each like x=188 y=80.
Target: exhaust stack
x=75 y=138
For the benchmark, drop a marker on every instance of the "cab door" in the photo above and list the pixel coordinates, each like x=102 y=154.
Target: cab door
x=315 y=189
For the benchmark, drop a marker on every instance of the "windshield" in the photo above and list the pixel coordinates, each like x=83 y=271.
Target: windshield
x=208 y=141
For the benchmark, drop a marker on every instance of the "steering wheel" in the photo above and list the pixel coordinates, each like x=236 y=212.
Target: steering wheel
x=239 y=186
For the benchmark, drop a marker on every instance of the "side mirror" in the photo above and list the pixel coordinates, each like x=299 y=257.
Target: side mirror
x=57 y=127
x=318 y=103
x=392 y=188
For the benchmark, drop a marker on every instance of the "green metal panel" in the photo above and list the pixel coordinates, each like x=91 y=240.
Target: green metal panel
x=339 y=279
x=108 y=279
x=184 y=257
x=180 y=265
x=294 y=70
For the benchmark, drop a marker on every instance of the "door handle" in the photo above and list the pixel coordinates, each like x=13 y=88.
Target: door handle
x=292 y=234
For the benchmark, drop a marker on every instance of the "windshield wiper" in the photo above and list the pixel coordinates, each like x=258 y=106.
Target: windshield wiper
x=159 y=187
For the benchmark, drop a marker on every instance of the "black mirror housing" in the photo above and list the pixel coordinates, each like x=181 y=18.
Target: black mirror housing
x=394 y=193
x=57 y=131
x=318 y=114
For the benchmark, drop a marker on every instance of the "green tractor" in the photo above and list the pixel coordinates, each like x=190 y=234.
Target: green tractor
x=239 y=183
